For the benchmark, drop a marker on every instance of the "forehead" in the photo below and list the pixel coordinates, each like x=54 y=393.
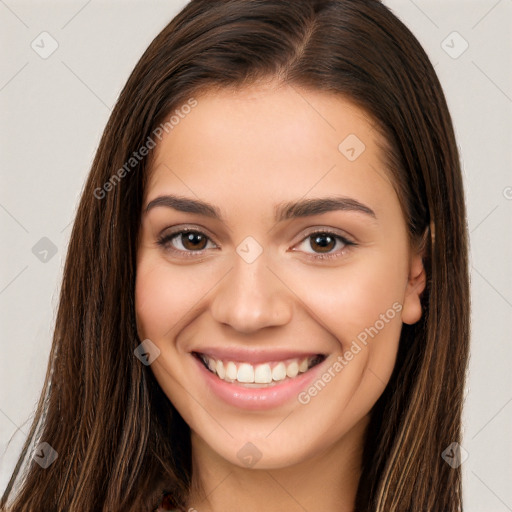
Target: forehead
x=271 y=141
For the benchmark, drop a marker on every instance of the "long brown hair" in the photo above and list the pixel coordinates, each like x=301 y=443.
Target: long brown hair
x=119 y=440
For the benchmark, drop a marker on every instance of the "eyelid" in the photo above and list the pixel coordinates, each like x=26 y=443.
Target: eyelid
x=186 y=228
x=327 y=230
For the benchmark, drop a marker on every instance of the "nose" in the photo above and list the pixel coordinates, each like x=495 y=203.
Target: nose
x=251 y=297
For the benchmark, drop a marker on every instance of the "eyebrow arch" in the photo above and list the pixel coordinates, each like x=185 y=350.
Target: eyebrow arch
x=185 y=204
x=317 y=206
x=284 y=211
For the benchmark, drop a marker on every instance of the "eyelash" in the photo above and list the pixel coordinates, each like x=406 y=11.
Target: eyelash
x=165 y=242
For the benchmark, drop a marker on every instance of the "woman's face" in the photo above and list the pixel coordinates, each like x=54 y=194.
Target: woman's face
x=273 y=250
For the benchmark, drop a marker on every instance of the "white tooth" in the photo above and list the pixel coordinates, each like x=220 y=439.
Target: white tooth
x=231 y=370
x=292 y=370
x=303 y=367
x=245 y=373
x=211 y=364
x=279 y=372
x=221 y=372
x=263 y=374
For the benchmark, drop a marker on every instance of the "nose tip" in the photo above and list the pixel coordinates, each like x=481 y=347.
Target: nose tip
x=251 y=298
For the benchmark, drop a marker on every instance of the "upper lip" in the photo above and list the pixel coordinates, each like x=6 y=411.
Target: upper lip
x=253 y=356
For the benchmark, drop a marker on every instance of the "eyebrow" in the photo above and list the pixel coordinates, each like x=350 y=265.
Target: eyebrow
x=283 y=211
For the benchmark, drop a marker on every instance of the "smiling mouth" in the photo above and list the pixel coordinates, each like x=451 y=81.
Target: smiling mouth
x=259 y=375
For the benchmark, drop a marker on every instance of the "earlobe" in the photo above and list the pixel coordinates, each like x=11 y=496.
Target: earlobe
x=412 y=310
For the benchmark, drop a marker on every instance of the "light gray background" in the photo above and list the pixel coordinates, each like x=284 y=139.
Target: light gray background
x=54 y=111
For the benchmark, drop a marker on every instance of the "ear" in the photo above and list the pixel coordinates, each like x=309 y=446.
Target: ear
x=411 y=311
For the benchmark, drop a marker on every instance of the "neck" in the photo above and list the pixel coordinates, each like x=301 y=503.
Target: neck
x=327 y=481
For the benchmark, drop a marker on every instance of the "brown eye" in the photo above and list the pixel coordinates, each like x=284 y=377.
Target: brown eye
x=322 y=242
x=324 y=245
x=185 y=242
x=194 y=241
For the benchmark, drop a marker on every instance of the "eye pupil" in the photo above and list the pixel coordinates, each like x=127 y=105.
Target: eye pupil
x=325 y=242
x=193 y=241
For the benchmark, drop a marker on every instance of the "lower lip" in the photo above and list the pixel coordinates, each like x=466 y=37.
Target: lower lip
x=257 y=398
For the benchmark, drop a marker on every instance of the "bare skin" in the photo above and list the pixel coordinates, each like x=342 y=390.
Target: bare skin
x=247 y=152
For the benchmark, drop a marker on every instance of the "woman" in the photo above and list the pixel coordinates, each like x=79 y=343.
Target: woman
x=265 y=302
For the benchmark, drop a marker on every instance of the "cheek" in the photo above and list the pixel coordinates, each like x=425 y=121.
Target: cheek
x=350 y=299
x=360 y=306
x=163 y=295
x=152 y=300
